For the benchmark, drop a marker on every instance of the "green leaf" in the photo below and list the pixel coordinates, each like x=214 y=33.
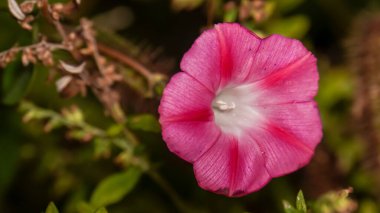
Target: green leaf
x=84 y=207
x=300 y=203
x=294 y=27
x=115 y=130
x=15 y=82
x=11 y=136
x=231 y=15
x=145 y=122
x=101 y=210
x=51 y=208
x=102 y=148
x=288 y=5
x=115 y=187
x=288 y=207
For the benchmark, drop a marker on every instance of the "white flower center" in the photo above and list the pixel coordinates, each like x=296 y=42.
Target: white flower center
x=234 y=109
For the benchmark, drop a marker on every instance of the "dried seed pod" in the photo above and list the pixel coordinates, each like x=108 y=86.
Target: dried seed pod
x=58 y=7
x=72 y=68
x=25 y=23
x=8 y=57
x=63 y=82
x=27 y=6
x=24 y=59
x=55 y=15
x=40 y=3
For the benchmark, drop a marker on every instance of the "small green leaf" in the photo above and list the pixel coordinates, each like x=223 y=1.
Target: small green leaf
x=101 y=210
x=9 y=148
x=115 y=130
x=53 y=124
x=145 y=122
x=288 y=5
x=300 y=203
x=102 y=148
x=115 y=187
x=51 y=208
x=15 y=82
x=84 y=207
x=288 y=207
x=231 y=15
x=293 y=27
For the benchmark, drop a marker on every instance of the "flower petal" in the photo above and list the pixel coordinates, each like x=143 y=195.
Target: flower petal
x=297 y=82
x=185 y=99
x=202 y=60
x=238 y=49
x=190 y=139
x=290 y=136
x=186 y=117
x=220 y=55
x=232 y=167
x=276 y=53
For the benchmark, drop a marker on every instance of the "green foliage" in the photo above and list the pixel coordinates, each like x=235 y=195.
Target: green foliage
x=300 y=205
x=331 y=202
x=144 y=122
x=293 y=27
x=101 y=210
x=9 y=150
x=231 y=15
x=15 y=82
x=51 y=208
x=115 y=187
x=368 y=206
x=286 y=6
x=335 y=201
x=102 y=147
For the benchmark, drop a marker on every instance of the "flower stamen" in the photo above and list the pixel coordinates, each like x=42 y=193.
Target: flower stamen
x=223 y=106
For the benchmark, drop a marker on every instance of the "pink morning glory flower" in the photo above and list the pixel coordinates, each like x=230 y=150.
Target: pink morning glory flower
x=242 y=109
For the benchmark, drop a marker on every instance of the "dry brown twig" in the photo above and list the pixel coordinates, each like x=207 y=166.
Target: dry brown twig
x=41 y=50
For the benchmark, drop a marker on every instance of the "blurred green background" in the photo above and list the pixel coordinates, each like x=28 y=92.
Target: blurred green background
x=37 y=167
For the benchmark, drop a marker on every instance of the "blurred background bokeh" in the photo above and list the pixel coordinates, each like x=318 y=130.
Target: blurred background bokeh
x=62 y=143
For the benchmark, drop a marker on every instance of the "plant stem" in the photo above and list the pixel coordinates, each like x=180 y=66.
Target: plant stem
x=156 y=177
x=51 y=46
x=126 y=60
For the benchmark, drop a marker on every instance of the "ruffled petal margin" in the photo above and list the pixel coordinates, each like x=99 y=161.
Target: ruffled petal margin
x=276 y=53
x=222 y=55
x=289 y=137
x=297 y=82
x=232 y=167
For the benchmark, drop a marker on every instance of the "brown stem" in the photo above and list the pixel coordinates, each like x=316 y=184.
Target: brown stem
x=60 y=30
x=89 y=36
x=113 y=107
x=126 y=60
x=211 y=6
x=51 y=46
